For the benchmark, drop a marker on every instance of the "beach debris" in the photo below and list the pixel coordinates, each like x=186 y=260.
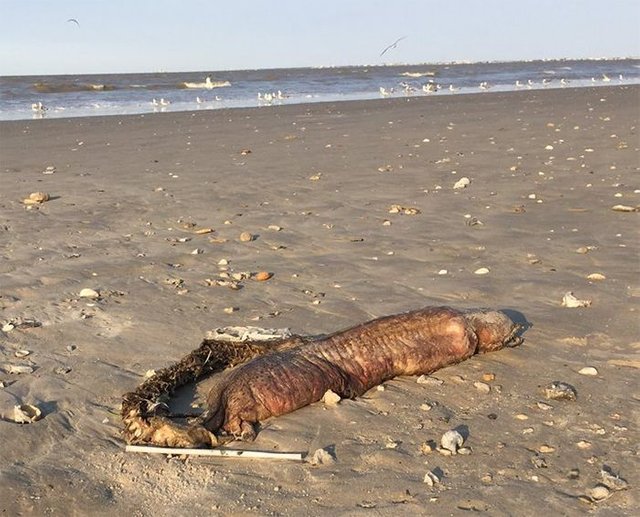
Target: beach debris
x=571 y=302
x=246 y=237
x=596 y=276
x=221 y=452
x=36 y=198
x=25 y=414
x=612 y=480
x=315 y=177
x=197 y=251
x=624 y=208
x=481 y=271
x=17 y=369
x=450 y=442
x=544 y=406
x=230 y=310
x=431 y=478
x=322 y=457
x=89 y=293
x=546 y=449
x=463 y=182
x=22 y=353
x=588 y=370
x=262 y=276
x=331 y=398
x=559 y=390
x=19 y=322
x=203 y=231
x=49 y=170
x=488 y=376
x=399 y=209
x=242 y=334
x=274 y=227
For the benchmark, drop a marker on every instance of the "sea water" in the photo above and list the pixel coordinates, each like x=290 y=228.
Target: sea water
x=117 y=94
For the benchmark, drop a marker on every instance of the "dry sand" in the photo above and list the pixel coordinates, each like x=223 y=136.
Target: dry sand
x=545 y=170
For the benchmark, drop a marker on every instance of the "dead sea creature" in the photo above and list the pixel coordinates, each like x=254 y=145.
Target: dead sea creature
x=280 y=376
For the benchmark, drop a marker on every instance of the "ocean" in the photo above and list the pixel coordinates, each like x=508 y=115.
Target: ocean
x=59 y=96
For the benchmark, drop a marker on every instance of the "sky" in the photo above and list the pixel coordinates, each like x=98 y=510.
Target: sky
x=197 y=35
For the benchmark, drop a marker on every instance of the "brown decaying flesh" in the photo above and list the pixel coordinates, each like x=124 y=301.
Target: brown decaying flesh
x=266 y=379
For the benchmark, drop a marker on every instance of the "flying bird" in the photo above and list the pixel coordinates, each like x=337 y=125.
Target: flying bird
x=73 y=20
x=393 y=45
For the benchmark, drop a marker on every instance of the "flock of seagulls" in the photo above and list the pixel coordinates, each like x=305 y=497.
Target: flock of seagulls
x=271 y=97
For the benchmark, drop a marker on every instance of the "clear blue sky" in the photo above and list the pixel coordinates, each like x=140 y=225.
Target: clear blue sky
x=147 y=36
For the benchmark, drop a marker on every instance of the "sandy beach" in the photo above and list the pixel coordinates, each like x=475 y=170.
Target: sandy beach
x=352 y=207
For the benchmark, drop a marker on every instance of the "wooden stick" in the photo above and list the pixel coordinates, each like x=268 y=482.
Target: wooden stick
x=236 y=453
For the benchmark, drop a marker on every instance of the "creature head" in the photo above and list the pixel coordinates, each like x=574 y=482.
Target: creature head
x=494 y=329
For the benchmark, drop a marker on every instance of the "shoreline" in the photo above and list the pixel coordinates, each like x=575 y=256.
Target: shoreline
x=315 y=186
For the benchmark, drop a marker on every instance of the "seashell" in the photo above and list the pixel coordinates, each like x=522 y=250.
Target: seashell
x=546 y=449
x=583 y=444
x=223 y=262
x=21 y=353
x=599 y=493
x=197 y=251
x=521 y=416
x=89 y=293
x=624 y=208
x=274 y=227
x=49 y=170
x=427 y=379
x=482 y=387
x=559 y=390
x=543 y=406
x=230 y=310
x=430 y=478
x=202 y=231
x=149 y=373
x=451 y=441
x=246 y=237
x=262 y=276
x=549 y=147
x=245 y=152
x=8 y=327
x=443 y=272
x=37 y=197
x=462 y=183
x=17 y=369
x=596 y=276
x=330 y=398
x=571 y=302
x=322 y=457
x=26 y=414
x=588 y=370
x=481 y=271
x=488 y=376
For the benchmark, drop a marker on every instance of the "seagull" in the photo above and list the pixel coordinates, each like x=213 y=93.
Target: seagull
x=393 y=45
x=453 y=88
x=164 y=102
x=605 y=78
x=38 y=107
x=73 y=20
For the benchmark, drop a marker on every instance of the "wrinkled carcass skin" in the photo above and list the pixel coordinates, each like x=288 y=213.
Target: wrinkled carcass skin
x=351 y=362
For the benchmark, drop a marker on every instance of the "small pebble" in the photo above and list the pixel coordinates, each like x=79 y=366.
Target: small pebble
x=588 y=370
x=246 y=237
x=583 y=444
x=431 y=478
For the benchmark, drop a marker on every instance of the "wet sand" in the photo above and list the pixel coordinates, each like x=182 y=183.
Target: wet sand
x=315 y=185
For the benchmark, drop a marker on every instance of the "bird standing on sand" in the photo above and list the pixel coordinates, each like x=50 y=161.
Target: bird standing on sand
x=38 y=107
x=393 y=45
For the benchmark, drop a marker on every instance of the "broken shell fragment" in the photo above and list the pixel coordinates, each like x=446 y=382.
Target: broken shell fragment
x=559 y=390
x=331 y=398
x=36 y=198
x=462 y=183
x=588 y=370
x=246 y=237
x=17 y=369
x=451 y=441
x=26 y=414
x=571 y=302
x=599 y=493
